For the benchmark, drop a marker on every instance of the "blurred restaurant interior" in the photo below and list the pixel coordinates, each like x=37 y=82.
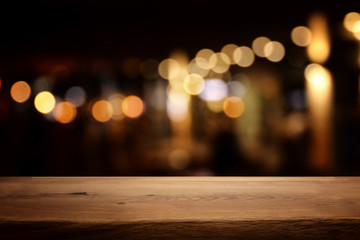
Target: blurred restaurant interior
x=179 y=88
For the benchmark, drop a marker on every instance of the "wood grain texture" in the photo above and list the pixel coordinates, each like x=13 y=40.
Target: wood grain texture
x=180 y=208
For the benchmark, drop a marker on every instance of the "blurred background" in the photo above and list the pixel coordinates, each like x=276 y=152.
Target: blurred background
x=158 y=88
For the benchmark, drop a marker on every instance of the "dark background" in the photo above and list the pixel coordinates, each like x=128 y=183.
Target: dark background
x=37 y=36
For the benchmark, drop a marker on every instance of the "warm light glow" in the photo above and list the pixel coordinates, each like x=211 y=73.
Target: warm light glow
x=357 y=35
x=351 y=20
x=194 y=68
x=319 y=100
x=274 y=51
x=169 y=68
x=233 y=107
x=132 y=106
x=258 y=46
x=244 y=56
x=116 y=100
x=194 y=84
x=222 y=62
x=102 y=111
x=202 y=58
x=317 y=75
x=64 y=112
x=179 y=159
x=44 y=102
x=229 y=50
x=319 y=48
x=76 y=95
x=177 y=105
x=20 y=91
x=301 y=36
x=215 y=106
x=215 y=90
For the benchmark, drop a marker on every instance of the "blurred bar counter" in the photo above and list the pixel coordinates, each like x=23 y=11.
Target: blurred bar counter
x=179 y=208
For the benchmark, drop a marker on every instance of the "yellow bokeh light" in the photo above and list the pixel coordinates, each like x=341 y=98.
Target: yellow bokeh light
x=116 y=100
x=258 y=45
x=169 y=68
x=301 y=36
x=177 y=104
x=64 y=112
x=357 y=35
x=319 y=48
x=317 y=75
x=350 y=21
x=220 y=61
x=244 y=56
x=202 y=58
x=20 y=91
x=44 y=102
x=229 y=50
x=215 y=106
x=102 y=111
x=194 y=68
x=233 y=107
x=274 y=51
x=194 y=84
x=132 y=106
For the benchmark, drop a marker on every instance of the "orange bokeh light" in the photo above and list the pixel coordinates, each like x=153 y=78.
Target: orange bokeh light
x=20 y=91
x=233 y=107
x=132 y=106
x=65 y=112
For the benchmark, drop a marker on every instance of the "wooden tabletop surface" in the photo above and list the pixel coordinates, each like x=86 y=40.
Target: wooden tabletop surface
x=180 y=207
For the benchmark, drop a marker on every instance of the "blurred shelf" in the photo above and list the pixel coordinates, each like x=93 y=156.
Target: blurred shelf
x=179 y=207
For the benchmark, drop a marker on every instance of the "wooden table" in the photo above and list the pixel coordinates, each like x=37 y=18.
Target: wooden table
x=180 y=208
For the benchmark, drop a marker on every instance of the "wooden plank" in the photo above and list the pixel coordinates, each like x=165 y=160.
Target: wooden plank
x=180 y=207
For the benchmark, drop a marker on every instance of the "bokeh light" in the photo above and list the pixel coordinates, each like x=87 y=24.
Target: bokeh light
x=44 y=102
x=215 y=90
x=229 y=50
x=215 y=106
x=177 y=105
x=179 y=159
x=301 y=36
x=233 y=107
x=102 y=111
x=258 y=45
x=169 y=68
x=317 y=75
x=244 y=56
x=202 y=58
x=194 y=68
x=319 y=48
x=274 y=51
x=132 y=106
x=76 y=95
x=20 y=91
x=194 y=84
x=222 y=62
x=351 y=20
x=116 y=100
x=64 y=112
